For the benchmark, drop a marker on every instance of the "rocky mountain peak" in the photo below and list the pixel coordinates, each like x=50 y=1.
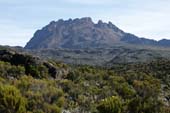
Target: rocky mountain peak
x=83 y=21
x=102 y=24
x=75 y=33
x=84 y=33
x=86 y=19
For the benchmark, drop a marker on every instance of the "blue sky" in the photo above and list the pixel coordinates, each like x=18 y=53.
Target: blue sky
x=19 y=19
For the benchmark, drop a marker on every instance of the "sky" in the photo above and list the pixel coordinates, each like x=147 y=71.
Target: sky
x=19 y=19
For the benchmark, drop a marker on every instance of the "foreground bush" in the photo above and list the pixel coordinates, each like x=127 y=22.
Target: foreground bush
x=110 y=105
x=42 y=94
x=11 y=100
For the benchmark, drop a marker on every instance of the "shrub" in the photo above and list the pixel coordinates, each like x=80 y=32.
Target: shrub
x=110 y=105
x=40 y=93
x=11 y=100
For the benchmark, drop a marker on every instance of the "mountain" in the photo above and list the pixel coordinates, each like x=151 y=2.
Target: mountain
x=84 y=33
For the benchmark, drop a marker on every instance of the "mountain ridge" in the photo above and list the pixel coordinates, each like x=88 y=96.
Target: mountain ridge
x=83 y=33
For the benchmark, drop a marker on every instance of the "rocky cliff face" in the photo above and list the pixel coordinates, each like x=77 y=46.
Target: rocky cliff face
x=84 y=33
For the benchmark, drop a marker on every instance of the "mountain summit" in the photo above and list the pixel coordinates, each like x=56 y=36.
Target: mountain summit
x=84 y=33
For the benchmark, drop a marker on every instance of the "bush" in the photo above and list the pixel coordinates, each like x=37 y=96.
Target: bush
x=43 y=95
x=11 y=100
x=7 y=70
x=110 y=105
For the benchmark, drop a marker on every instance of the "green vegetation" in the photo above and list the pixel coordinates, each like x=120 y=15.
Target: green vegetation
x=51 y=87
x=137 y=92
x=42 y=95
x=27 y=94
x=11 y=100
x=110 y=105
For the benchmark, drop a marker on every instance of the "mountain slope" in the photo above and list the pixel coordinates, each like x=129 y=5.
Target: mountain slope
x=84 y=33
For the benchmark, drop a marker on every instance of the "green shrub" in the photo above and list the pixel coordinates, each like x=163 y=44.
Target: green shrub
x=7 y=70
x=40 y=93
x=51 y=108
x=11 y=100
x=110 y=105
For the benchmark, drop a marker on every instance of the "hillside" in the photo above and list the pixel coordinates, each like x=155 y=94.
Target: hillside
x=125 y=88
x=104 y=56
